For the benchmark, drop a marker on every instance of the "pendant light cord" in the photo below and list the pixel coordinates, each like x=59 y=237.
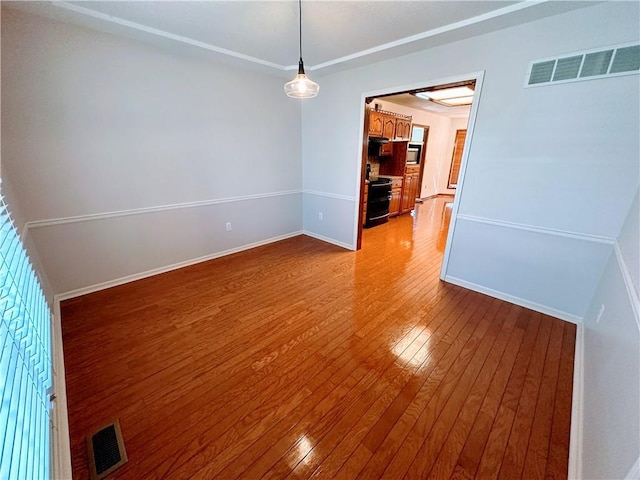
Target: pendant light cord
x=300 y=24
x=301 y=86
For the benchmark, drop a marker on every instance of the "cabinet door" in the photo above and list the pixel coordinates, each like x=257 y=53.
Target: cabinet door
x=409 y=192
x=386 y=149
x=399 y=129
x=407 y=188
x=414 y=191
x=389 y=127
x=403 y=129
x=376 y=123
x=394 y=204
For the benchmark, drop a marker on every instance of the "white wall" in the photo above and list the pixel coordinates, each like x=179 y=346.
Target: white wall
x=559 y=161
x=94 y=125
x=611 y=363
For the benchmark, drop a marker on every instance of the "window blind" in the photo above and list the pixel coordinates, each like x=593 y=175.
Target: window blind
x=25 y=361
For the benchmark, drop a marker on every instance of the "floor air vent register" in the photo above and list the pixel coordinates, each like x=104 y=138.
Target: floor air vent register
x=106 y=451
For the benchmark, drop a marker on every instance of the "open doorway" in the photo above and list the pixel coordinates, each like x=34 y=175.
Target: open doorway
x=414 y=149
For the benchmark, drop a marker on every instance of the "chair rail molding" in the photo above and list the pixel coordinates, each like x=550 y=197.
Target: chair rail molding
x=141 y=211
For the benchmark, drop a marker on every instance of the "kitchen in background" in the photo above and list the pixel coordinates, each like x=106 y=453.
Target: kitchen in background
x=415 y=142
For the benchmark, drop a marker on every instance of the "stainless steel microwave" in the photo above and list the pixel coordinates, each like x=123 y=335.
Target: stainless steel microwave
x=413 y=153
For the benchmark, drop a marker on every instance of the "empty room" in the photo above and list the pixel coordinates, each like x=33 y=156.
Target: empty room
x=320 y=239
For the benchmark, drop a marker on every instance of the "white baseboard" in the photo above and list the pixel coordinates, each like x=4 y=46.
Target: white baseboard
x=156 y=271
x=61 y=446
x=577 y=406
x=436 y=195
x=575 y=442
x=328 y=240
x=569 y=317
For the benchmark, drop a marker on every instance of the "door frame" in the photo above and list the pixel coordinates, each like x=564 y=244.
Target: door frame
x=423 y=155
x=453 y=157
x=471 y=123
x=363 y=139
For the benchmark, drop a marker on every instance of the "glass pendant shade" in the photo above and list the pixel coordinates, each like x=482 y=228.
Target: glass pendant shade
x=301 y=86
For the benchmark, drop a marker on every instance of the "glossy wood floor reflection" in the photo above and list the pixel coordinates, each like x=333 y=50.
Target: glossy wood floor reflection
x=303 y=360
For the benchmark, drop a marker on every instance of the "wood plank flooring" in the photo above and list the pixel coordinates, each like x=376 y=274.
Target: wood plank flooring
x=303 y=360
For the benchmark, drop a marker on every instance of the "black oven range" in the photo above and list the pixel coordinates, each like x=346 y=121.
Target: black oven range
x=378 y=202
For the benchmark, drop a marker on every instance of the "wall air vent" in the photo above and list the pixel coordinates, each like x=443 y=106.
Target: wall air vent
x=600 y=63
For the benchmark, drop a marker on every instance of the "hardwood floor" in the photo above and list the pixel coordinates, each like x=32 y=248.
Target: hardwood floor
x=303 y=360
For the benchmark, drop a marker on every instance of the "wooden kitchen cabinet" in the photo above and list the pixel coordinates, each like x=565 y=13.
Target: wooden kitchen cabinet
x=376 y=123
x=389 y=126
x=396 y=196
x=410 y=188
x=396 y=165
x=403 y=129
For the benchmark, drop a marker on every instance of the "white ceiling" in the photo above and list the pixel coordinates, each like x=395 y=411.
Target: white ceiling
x=336 y=34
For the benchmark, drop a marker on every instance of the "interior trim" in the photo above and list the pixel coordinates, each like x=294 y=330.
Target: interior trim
x=363 y=53
x=171 y=36
x=155 y=271
x=468 y=144
x=538 y=307
x=175 y=206
x=634 y=300
x=544 y=230
x=577 y=408
x=139 y=211
x=328 y=240
x=329 y=195
x=60 y=439
x=429 y=33
x=60 y=444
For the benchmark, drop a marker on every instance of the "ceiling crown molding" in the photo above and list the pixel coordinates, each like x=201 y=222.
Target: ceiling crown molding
x=429 y=33
x=111 y=19
x=161 y=33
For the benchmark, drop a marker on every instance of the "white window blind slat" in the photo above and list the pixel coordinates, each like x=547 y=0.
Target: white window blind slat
x=18 y=423
x=25 y=362
x=7 y=377
x=38 y=422
x=10 y=405
x=30 y=432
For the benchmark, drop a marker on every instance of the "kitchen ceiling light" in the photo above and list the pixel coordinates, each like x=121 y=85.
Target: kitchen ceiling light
x=301 y=86
x=454 y=102
x=446 y=93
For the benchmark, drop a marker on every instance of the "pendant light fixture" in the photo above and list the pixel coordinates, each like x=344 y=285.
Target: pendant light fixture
x=301 y=86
